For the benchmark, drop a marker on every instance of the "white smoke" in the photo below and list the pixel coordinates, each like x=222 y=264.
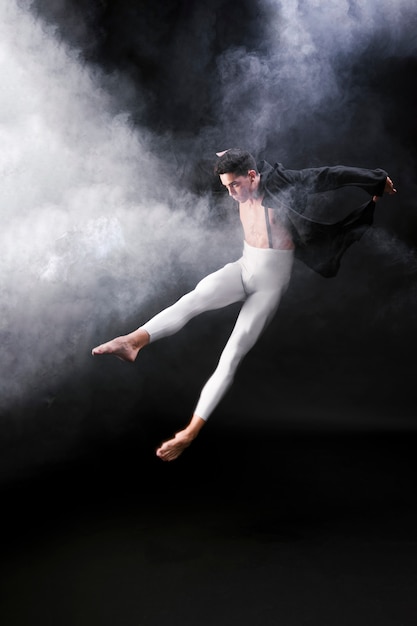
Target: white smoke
x=308 y=93
x=298 y=84
x=93 y=226
x=88 y=226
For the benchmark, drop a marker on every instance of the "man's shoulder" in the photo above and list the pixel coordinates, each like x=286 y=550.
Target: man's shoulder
x=265 y=168
x=274 y=176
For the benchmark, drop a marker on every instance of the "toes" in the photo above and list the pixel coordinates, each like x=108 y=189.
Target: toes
x=168 y=452
x=98 y=349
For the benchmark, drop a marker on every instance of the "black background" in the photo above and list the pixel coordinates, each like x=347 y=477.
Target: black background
x=296 y=503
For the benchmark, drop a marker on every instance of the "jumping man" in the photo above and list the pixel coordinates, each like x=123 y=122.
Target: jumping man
x=271 y=202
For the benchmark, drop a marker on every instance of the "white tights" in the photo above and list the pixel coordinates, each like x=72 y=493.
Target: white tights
x=258 y=279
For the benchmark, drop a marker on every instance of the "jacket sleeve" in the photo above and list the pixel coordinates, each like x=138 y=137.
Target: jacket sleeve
x=314 y=180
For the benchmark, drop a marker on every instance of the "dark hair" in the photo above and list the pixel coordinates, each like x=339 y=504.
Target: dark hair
x=235 y=161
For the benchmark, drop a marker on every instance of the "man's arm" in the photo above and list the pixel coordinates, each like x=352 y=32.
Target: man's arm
x=319 y=179
x=292 y=187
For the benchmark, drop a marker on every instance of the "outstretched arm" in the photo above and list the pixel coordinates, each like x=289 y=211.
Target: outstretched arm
x=328 y=178
x=334 y=177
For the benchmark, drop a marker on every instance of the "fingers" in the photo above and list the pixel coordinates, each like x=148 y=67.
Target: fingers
x=389 y=186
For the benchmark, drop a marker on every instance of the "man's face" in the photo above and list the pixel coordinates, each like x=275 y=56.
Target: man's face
x=241 y=188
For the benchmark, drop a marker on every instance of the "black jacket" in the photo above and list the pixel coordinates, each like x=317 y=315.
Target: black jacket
x=319 y=245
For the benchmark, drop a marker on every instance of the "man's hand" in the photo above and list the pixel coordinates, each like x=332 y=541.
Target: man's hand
x=389 y=186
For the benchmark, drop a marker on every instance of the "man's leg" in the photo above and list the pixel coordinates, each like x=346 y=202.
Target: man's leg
x=255 y=314
x=215 y=291
x=125 y=347
x=253 y=317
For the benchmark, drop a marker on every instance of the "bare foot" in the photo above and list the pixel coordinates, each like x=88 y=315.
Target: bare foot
x=125 y=347
x=171 y=449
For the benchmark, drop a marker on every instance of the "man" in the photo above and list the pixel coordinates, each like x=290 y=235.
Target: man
x=272 y=201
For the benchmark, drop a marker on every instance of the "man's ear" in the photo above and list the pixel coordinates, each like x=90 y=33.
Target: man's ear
x=252 y=174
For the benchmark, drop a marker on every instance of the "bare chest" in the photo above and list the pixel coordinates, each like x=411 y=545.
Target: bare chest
x=262 y=227
x=252 y=217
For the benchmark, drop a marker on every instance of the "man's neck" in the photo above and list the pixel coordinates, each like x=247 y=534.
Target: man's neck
x=256 y=192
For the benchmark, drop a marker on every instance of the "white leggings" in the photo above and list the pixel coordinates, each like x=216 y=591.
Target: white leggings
x=258 y=279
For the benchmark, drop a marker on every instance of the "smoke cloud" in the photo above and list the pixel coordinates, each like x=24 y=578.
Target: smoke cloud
x=87 y=210
x=110 y=115
x=315 y=83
